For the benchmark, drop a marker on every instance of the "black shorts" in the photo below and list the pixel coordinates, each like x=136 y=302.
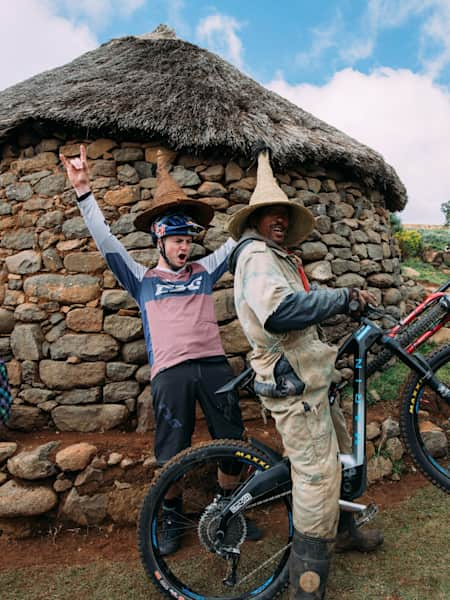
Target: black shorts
x=175 y=392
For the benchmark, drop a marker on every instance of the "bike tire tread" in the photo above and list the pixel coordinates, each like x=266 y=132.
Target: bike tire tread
x=407 y=430
x=176 y=460
x=408 y=335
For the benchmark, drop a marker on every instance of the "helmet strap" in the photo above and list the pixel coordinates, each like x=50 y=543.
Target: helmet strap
x=162 y=251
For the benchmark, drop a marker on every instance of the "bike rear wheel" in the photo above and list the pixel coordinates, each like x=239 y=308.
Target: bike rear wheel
x=425 y=422
x=196 y=570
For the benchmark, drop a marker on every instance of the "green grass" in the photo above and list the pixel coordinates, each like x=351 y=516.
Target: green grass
x=426 y=271
x=389 y=383
x=412 y=565
x=437 y=239
x=386 y=384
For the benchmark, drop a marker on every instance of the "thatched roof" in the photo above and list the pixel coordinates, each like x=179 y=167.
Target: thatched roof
x=158 y=86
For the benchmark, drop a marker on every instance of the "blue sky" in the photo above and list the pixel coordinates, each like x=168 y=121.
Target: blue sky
x=377 y=69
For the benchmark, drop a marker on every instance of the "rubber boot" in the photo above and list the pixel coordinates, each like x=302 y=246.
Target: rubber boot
x=172 y=526
x=350 y=537
x=309 y=564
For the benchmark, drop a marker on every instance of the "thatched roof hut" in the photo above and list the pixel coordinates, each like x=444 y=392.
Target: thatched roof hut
x=160 y=86
x=71 y=337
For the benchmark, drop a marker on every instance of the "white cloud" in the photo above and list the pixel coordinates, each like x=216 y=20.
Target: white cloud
x=33 y=39
x=99 y=12
x=323 y=39
x=402 y=115
x=434 y=31
x=218 y=32
x=345 y=42
x=176 y=19
x=435 y=40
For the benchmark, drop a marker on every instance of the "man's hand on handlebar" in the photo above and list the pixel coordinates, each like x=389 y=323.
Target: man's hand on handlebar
x=359 y=299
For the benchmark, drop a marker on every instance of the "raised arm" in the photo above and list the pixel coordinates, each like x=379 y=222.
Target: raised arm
x=128 y=272
x=78 y=172
x=216 y=263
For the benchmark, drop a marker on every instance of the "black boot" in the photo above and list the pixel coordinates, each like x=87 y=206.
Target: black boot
x=172 y=526
x=309 y=564
x=349 y=537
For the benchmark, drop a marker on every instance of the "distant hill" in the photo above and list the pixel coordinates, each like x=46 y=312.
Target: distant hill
x=422 y=226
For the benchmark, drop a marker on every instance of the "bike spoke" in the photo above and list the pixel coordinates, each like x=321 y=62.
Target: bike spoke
x=203 y=562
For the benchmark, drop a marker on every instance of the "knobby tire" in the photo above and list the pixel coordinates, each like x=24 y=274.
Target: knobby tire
x=195 y=571
x=407 y=335
x=425 y=422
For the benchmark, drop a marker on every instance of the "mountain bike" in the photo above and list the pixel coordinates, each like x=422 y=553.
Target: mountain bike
x=216 y=560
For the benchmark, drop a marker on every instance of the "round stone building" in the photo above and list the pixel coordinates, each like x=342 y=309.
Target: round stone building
x=72 y=337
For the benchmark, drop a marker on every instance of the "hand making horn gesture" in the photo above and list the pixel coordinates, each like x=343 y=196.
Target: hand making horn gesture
x=77 y=171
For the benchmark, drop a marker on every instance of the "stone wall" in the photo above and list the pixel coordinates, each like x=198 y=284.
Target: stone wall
x=73 y=338
x=54 y=485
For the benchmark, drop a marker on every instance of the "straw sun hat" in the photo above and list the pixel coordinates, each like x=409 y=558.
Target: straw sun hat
x=268 y=193
x=170 y=196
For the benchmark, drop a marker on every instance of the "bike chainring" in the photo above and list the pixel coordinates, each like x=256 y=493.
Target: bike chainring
x=209 y=524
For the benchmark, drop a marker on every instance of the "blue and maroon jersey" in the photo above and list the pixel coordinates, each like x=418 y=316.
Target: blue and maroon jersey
x=176 y=306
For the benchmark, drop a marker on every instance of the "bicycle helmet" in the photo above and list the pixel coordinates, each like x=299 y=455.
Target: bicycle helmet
x=174 y=224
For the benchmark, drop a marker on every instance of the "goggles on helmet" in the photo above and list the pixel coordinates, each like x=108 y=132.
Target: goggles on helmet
x=175 y=224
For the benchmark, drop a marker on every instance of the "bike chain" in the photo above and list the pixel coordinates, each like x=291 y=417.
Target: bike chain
x=271 y=558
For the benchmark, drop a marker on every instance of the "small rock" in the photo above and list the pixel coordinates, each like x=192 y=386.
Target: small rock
x=373 y=430
x=89 y=475
x=390 y=428
x=394 y=448
x=33 y=464
x=62 y=485
x=434 y=438
x=75 y=457
x=378 y=467
x=85 y=510
x=114 y=458
x=122 y=485
x=23 y=501
x=7 y=449
x=99 y=462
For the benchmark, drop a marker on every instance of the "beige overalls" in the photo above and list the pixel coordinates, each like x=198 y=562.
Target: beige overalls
x=264 y=277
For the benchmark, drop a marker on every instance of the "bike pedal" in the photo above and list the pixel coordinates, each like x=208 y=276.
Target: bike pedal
x=366 y=515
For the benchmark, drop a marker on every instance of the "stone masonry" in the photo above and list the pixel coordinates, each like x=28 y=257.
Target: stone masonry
x=73 y=338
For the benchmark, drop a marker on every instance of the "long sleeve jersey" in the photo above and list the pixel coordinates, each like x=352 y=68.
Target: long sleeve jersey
x=177 y=308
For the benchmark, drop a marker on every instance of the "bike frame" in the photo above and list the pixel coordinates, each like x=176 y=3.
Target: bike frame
x=277 y=480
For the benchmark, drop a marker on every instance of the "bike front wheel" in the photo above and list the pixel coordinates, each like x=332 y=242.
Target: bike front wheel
x=198 y=569
x=425 y=422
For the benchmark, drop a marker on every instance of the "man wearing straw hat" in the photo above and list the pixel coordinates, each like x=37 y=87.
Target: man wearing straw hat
x=294 y=369
x=181 y=332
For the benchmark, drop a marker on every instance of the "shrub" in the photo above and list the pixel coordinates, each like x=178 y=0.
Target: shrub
x=437 y=239
x=396 y=224
x=410 y=242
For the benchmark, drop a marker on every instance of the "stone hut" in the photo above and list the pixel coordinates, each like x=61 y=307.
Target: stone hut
x=72 y=337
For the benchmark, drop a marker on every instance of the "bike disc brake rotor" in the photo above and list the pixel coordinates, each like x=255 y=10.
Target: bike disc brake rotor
x=209 y=524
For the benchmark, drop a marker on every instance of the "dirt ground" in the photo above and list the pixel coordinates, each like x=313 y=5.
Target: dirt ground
x=81 y=546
